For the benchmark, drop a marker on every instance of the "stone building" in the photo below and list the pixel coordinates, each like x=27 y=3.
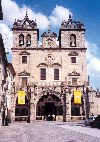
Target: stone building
x=44 y=68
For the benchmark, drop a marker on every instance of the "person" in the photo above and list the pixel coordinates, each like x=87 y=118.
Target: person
x=53 y=116
x=92 y=114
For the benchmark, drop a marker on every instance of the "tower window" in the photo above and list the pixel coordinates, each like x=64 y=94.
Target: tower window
x=74 y=81
x=73 y=59
x=72 y=40
x=28 y=40
x=21 y=40
x=24 y=59
x=24 y=81
x=43 y=74
x=56 y=74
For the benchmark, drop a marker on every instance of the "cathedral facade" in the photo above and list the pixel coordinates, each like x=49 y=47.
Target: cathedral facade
x=42 y=69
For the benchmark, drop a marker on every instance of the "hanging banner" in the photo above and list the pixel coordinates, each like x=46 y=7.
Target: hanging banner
x=77 y=96
x=21 y=97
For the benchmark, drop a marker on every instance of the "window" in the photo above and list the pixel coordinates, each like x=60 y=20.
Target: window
x=24 y=59
x=72 y=40
x=43 y=74
x=56 y=74
x=74 y=81
x=21 y=40
x=73 y=59
x=28 y=40
x=24 y=81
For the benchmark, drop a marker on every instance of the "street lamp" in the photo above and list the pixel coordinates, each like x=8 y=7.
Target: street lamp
x=29 y=98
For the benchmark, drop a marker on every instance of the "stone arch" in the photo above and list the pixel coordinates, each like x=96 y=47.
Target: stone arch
x=49 y=103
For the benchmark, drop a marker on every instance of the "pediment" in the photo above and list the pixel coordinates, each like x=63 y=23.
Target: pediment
x=42 y=65
x=56 y=64
x=74 y=73
x=24 y=73
x=24 y=53
x=73 y=53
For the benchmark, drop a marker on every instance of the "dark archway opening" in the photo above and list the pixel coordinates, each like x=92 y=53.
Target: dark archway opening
x=21 y=111
x=77 y=109
x=48 y=107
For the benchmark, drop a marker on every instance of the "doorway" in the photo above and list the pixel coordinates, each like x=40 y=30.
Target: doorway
x=49 y=107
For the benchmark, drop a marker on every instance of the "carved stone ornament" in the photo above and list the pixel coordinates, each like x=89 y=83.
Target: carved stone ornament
x=24 y=53
x=42 y=65
x=74 y=73
x=73 y=53
x=24 y=73
x=49 y=60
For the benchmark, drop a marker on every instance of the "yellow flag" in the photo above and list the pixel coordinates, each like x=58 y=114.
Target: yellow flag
x=21 y=97
x=77 y=96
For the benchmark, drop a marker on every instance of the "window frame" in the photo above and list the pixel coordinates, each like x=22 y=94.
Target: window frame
x=24 y=84
x=28 y=38
x=73 y=60
x=73 y=81
x=42 y=73
x=56 y=73
x=74 y=36
x=21 y=38
x=26 y=59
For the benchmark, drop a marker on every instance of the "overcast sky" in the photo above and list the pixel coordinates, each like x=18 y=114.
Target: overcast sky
x=53 y=12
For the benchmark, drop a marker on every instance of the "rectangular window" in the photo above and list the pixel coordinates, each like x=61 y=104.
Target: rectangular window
x=56 y=74
x=73 y=59
x=74 y=81
x=43 y=74
x=24 y=81
x=24 y=59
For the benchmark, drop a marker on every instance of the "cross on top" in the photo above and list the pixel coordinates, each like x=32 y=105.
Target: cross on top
x=49 y=28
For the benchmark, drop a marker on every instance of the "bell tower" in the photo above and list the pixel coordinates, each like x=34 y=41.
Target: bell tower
x=25 y=40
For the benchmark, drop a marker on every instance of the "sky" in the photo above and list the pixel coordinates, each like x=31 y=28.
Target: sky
x=53 y=12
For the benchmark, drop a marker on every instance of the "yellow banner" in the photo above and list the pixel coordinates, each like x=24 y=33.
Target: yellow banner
x=21 y=97
x=77 y=96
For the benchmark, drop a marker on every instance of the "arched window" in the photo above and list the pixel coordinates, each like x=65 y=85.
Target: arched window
x=72 y=40
x=21 y=40
x=28 y=40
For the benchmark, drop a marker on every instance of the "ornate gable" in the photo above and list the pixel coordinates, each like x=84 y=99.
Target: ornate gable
x=24 y=73
x=70 y=24
x=25 y=23
x=74 y=73
x=73 y=53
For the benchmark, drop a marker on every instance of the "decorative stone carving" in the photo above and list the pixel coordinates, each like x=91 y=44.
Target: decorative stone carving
x=42 y=65
x=74 y=73
x=24 y=73
x=73 y=53
x=49 y=60
x=24 y=53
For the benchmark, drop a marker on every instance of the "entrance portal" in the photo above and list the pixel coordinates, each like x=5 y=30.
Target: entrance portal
x=49 y=107
x=21 y=111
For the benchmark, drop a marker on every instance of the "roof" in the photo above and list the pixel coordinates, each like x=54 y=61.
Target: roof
x=25 y=23
x=71 y=24
x=49 y=34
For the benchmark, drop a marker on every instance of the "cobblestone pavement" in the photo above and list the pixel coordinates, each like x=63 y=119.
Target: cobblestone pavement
x=48 y=132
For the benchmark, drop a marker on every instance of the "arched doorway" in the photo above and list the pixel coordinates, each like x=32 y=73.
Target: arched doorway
x=21 y=111
x=77 y=109
x=49 y=106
